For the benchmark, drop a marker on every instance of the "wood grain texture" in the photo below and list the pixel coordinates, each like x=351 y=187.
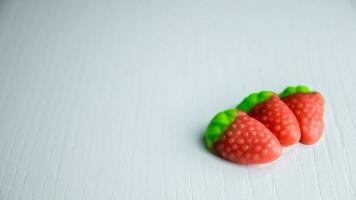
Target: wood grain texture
x=109 y=99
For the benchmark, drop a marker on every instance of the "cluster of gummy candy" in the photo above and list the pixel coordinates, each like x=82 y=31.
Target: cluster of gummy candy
x=255 y=131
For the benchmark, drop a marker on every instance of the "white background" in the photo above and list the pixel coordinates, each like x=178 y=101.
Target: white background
x=109 y=99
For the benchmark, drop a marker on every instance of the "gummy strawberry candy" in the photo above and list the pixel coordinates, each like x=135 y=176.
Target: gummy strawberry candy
x=236 y=137
x=270 y=110
x=308 y=107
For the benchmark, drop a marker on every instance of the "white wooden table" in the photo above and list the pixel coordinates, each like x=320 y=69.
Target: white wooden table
x=109 y=99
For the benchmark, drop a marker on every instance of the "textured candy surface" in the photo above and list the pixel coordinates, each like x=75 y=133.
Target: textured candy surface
x=247 y=141
x=218 y=126
x=309 y=110
x=277 y=117
x=270 y=110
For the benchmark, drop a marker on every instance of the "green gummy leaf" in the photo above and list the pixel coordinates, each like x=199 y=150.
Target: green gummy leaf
x=254 y=99
x=293 y=90
x=265 y=94
x=221 y=119
x=303 y=89
x=214 y=130
x=218 y=125
x=231 y=112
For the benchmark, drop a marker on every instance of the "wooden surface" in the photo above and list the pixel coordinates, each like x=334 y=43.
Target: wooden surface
x=109 y=99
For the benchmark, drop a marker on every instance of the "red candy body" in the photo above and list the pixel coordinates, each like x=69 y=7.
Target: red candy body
x=247 y=141
x=309 y=110
x=277 y=117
